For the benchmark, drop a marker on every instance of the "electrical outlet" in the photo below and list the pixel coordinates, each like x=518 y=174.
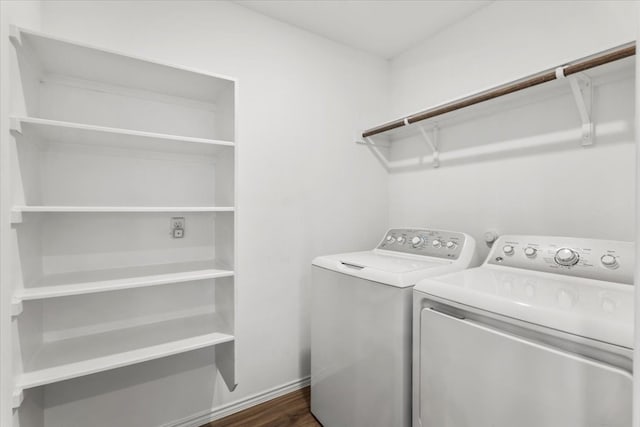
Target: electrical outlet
x=177 y=222
x=177 y=227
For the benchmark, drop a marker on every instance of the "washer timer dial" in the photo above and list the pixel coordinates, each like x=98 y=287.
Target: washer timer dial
x=566 y=257
x=417 y=241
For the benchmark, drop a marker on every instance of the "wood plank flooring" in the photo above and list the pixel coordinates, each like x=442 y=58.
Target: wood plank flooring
x=290 y=410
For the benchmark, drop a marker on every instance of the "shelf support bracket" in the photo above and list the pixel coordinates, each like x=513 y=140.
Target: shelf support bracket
x=17 y=398
x=15 y=36
x=432 y=141
x=16 y=216
x=582 y=90
x=16 y=307
x=15 y=125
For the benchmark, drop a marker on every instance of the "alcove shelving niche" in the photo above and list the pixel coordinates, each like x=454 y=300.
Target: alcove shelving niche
x=106 y=151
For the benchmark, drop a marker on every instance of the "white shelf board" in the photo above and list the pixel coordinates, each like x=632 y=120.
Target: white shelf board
x=120 y=209
x=76 y=357
x=77 y=133
x=69 y=58
x=17 y=211
x=87 y=282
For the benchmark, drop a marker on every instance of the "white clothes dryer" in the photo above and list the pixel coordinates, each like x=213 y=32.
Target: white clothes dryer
x=361 y=324
x=540 y=335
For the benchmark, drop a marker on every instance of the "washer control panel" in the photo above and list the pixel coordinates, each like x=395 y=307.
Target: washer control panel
x=608 y=260
x=422 y=241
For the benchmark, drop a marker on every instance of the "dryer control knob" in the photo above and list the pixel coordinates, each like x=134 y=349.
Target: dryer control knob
x=530 y=252
x=609 y=261
x=436 y=243
x=417 y=241
x=451 y=245
x=401 y=240
x=508 y=249
x=567 y=257
x=390 y=239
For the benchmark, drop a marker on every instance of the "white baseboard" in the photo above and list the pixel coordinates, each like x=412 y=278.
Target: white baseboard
x=205 y=417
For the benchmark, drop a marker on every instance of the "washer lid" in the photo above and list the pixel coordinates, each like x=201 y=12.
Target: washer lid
x=389 y=263
x=397 y=270
x=589 y=308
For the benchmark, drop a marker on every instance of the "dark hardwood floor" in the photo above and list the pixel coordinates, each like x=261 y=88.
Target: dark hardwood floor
x=285 y=411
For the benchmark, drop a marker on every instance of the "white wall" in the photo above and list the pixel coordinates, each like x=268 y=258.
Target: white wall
x=564 y=190
x=304 y=189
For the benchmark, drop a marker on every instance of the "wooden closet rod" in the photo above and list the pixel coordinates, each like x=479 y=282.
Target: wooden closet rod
x=596 y=60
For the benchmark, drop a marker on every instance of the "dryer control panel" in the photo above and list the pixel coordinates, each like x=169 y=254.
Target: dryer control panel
x=426 y=242
x=608 y=260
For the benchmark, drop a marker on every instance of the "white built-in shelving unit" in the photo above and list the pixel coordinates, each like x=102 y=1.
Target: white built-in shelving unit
x=105 y=150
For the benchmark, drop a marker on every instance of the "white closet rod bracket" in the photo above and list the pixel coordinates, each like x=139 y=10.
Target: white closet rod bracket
x=17 y=398
x=582 y=90
x=16 y=307
x=14 y=35
x=583 y=94
x=432 y=140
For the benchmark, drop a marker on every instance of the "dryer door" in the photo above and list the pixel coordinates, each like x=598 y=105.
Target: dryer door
x=475 y=376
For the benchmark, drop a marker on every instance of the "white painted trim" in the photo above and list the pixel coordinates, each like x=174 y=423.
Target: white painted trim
x=636 y=355
x=204 y=417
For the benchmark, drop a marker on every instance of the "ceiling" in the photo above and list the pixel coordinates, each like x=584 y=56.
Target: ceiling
x=383 y=27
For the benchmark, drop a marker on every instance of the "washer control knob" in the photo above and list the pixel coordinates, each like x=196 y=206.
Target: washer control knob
x=609 y=261
x=451 y=245
x=401 y=240
x=530 y=252
x=436 y=243
x=417 y=241
x=567 y=257
x=508 y=250
x=390 y=239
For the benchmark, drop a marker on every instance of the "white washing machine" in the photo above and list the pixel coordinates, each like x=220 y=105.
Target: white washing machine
x=361 y=324
x=540 y=335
